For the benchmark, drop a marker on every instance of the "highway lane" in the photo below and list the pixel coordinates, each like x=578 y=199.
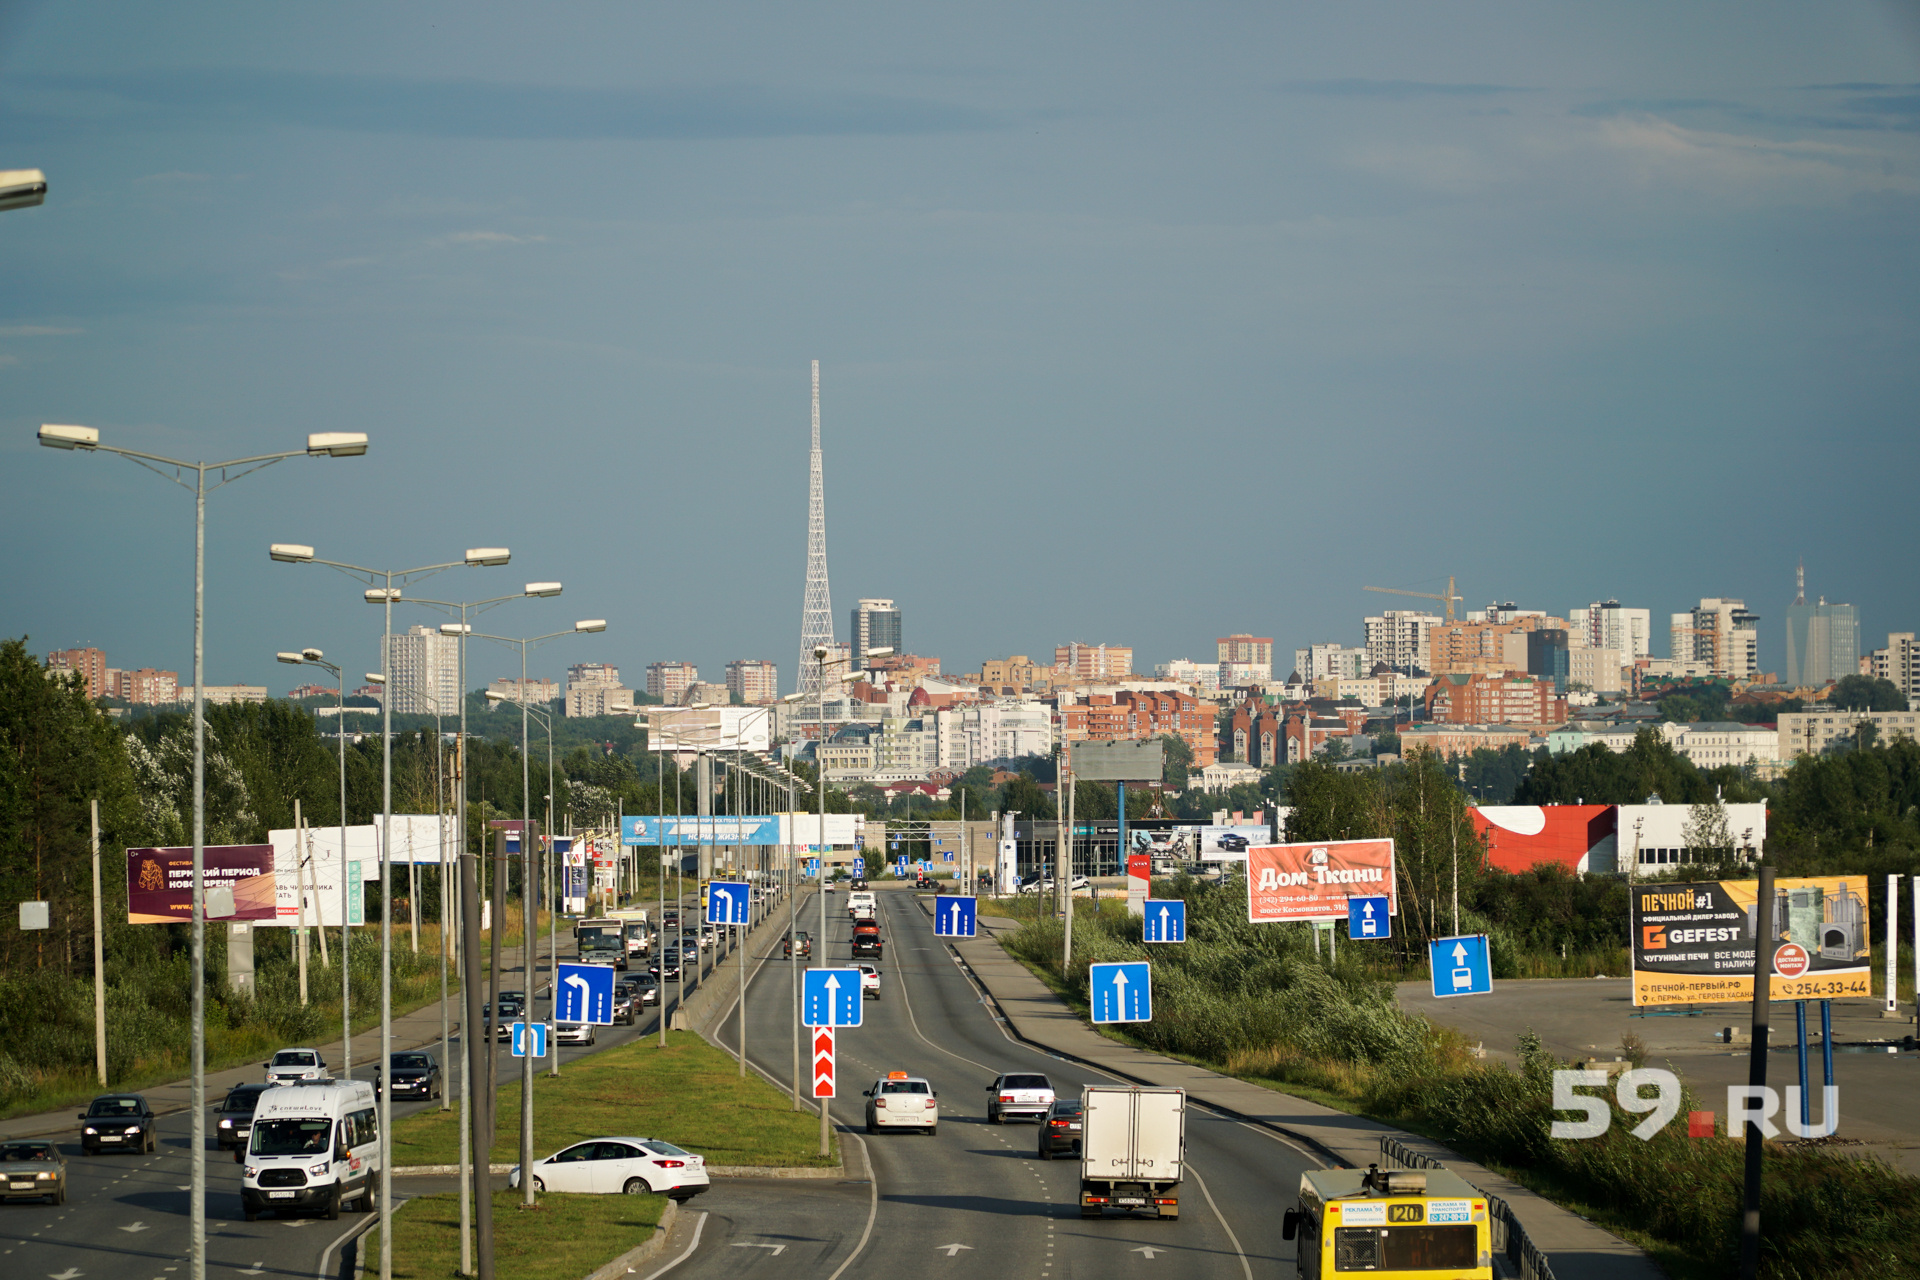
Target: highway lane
x=982 y=1186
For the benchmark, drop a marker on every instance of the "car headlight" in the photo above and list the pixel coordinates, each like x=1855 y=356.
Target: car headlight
x=90 y=1131
x=250 y=1172
x=226 y=1124
x=317 y=1169
x=47 y=1177
x=133 y=1128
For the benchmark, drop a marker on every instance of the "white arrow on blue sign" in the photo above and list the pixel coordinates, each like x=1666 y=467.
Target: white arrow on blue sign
x=859 y=866
x=586 y=994
x=1461 y=966
x=539 y=1038
x=1165 y=920
x=955 y=917
x=831 y=998
x=1121 y=992
x=727 y=902
x=813 y=866
x=1367 y=918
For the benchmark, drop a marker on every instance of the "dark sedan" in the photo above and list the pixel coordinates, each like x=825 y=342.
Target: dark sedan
x=511 y=1009
x=1231 y=842
x=667 y=966
x=643 y=987
x=32 y=1167
x=117 y=1122
x=415 y=1075
x=235 y=1121
x=1060 y=1127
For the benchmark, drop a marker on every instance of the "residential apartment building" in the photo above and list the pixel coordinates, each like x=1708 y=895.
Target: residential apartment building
x=986 y=732
x=1257 y=650
x=1597 y=669
x=1318 y=661
x=1898 y=663
x=89 y=664
x=1399 y=638
x=1085 y=662
x=1712 y=743
x=1722 y=633
x=714 y=695
x=145 y=687
x=1017 y=674
x=1605 y=624
x=669 y=681
x=1371 y=691
x=592 y=673
x=1803 y=733
x=1491 y=700
x=1133 y=714
x=1201 y=675
x=219 y=695
x=536 y=691
x=1450 y=741
x=310 y=691
x=755 y=680
x=423 y=668
x=598 y=699
x=1477 y=648
x=1243 y=675
x=847 y=750
x=876 y=625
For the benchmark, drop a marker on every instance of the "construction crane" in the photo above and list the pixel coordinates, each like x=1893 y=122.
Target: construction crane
x=1446 y=599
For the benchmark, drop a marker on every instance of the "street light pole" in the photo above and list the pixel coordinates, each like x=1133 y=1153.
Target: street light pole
x=333 y=444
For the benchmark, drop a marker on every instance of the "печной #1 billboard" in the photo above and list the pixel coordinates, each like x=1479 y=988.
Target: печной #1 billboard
x=1693 y=942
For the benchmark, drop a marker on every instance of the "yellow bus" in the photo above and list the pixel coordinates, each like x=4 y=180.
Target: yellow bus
x=1390 y=1224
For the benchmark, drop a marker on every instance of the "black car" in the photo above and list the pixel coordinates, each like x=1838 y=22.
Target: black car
x=235 y=1121
x=1231 y=842
x=117 y=1122
x=666 y=966
x=415 y=1075
x=1060 y=1127
x=512 y=1009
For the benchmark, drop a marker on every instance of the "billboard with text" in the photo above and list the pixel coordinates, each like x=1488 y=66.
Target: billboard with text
x=237 y=880
x=1312 y=881
x=1694 y=943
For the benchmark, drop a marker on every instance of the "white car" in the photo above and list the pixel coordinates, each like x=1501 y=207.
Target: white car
x=574 y=1033
x=901 y=1101
x=613 y=1166
x=1022 y=1093
x=869 y=982
x=296 y=1066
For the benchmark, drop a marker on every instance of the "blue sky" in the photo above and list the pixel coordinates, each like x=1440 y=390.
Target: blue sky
x=1138 y=324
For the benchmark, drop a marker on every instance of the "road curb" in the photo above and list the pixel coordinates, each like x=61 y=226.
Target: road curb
x=632 y=1258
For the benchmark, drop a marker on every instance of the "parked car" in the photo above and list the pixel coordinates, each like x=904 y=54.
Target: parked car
x=117 y=1122
x=869 y=982
x=612 y=1166
x=801 y=939
x=575 y=1033
x=295 y=1066
x=1018 y=1094
x=415 y=1075
x=32 y=1167
x=1060 y=1127
x=236 y=1116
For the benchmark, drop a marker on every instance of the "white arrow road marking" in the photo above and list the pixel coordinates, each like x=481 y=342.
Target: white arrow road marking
x=575 y=980
x=135 y=1227
x=778 y=1249
x=1149 y=1250
x=255 y=1270
x=295 y=1222
x=951 y=1250
x=68 y=1274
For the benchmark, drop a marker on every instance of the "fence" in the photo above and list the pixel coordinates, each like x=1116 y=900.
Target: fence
x=1509 y=1237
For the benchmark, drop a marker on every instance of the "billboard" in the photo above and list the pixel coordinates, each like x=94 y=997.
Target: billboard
x=1313 y=881
x=1230 y=844
x=708 y=728
x=691 y=828
x=1118 y=761
x=1693 y=943
x=238 y=884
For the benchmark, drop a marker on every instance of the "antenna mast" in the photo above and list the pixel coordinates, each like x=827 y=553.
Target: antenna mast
x=816 y=611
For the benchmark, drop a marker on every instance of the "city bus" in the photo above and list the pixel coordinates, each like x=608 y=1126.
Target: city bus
x=1389 y=1225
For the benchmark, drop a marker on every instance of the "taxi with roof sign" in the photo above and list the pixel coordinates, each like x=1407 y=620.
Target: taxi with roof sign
x=901 y=1101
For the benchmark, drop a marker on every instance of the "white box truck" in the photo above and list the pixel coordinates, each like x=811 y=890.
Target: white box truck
x=1133 y=1149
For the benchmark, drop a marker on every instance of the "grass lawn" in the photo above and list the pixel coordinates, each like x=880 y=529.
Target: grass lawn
x=565 y=1238
x=689 y=1094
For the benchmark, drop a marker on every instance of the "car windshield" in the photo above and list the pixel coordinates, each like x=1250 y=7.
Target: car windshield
x=114 y=1107
x=903 y=1086
x=1026 y=1082
x=293 y=1058
x=27 y=1151
x=291 y=1137
x=411 y=1062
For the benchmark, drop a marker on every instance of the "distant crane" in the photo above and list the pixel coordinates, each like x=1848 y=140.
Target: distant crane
x=1446 y=599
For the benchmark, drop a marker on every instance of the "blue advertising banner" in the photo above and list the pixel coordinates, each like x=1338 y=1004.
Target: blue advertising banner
x=687 y=828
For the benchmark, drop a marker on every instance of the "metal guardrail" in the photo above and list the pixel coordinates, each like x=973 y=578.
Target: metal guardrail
x=1509 y=1237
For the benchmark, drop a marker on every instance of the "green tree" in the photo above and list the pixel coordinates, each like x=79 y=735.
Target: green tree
x=1179 y=759
x=1865 y=693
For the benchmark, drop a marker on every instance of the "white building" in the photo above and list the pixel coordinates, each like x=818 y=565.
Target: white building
x=1606 y=624
x=988 y=731
x=1815 y=732
x=1204 y=676
x=424 y=671
x=597 y=699
x=1599 y=669
x=227 y=694
x=1898 y=663
x=1721 y=633
x=1712 y=743
x=1653 y=837
x=536 y=690
x=1220 y=776
x=1399 y=638
x=1318 y=661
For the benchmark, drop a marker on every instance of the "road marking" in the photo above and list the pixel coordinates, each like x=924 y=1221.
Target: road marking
x=1149 y=1250
x=132 y=1227
x=256 y=1269
x=950 y=1249
x=778 y=1249
x=68 y=1274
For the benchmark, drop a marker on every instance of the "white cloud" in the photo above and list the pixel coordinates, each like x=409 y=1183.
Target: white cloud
x=1660 y=152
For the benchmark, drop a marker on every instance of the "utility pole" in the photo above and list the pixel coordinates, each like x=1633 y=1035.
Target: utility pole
x=100 y=964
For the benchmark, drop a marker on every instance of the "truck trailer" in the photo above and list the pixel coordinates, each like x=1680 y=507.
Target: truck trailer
x=1133 y=1149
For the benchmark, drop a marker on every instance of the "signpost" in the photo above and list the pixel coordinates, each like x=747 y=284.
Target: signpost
x=585 y=994
x=823 y=1062
x=728 y=901
x=955 y=917
x=859 y=866
x=1461 y=966
x=1121 y=992
x=1369 y=918
x=1165 y=920
x=539 y=1038
x=831 y=998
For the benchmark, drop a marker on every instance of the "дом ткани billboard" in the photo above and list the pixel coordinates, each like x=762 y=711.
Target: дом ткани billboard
x=1312 y=881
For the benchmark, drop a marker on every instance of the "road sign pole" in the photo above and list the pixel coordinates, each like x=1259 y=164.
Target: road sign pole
x=1757 y=1072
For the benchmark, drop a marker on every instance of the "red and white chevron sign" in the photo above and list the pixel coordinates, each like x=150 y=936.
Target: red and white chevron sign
x=823 y=1062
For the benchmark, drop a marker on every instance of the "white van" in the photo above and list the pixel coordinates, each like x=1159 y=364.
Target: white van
x=861 y=904
x=314 y=1147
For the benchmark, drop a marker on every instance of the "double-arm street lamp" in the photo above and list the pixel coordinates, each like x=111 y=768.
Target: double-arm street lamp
x=325 y=444
x=553 y=916
x=385 y=593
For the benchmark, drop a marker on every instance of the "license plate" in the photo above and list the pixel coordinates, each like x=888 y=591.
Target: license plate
x=21 y=1186
x=110 y=1137
x=1074 y=1127
x=288 y=1195
x=1128 y=1200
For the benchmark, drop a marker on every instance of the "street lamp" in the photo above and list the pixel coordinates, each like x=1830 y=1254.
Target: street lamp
x=326 y=444
x=382 y=590
x=22 y=188
x=314 y=658
x=553 y=936
x=526 y=887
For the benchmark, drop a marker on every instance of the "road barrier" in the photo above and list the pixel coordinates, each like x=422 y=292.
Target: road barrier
x=1509 y=1237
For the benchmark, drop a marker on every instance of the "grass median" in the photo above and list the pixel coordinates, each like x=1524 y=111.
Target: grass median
x=689 y=1093
x=564 y=1238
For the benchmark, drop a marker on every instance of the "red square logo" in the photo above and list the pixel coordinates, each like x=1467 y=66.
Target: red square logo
x=1699 y=1124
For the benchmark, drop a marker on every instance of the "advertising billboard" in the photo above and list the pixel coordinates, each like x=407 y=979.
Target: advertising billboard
x=1313 y=881
x=1124 y=760
x=318 y=868
x=708 y=728
x=1230 y=844
x=689 y=828
x=238 y=884
x=1694 y=943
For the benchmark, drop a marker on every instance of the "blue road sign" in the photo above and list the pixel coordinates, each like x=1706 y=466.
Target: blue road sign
x=1121 y=992
x=539 y=1038
x=1460 y=965
x=585 y=994
x=813 y=866
x=860 y=866
x=831 y=998
x=955 y=917
x=728 y=901
x=1165 y=920
x=1367 y=918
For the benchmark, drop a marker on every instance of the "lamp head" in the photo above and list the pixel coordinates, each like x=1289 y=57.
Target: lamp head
x=885 y=651
x=312 y=655
x=289 y=553
x=55 y=436
x=488 y=555
x=374 y=677
x=494 y=695
x=381 y=595
x=819 y=653
x=22 y=188
x=591 y=624
x=336 y=444
x=291 y=659
x=456 y=629
x=543 y=589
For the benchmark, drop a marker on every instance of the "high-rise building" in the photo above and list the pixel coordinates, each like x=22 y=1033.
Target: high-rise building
x=147 y=687
x=1720 y=633
x=1898 y=663
x=592 y=673
x=1823 y=640
x=876 y=625
x=1547 y=657
x=669 y=681
x=90 y=663
x=1605 y=624
x=594 y=689
x=1399 y=639
x=755 y=680
x=1078 y=661
x=1239 y=648
x=423 y=667
x=534 y=689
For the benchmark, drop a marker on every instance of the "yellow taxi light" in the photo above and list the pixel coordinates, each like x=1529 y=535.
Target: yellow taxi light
x=896 y=1075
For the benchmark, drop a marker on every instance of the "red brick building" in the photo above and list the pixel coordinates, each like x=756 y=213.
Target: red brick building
x=1479 y=698
x=1133 y=714
x=90 y=663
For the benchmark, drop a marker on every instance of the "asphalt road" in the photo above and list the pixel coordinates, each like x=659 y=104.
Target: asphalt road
x=126 y=1216
x=975 y=1200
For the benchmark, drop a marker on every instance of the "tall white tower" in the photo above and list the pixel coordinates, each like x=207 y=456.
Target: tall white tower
x=816 y=611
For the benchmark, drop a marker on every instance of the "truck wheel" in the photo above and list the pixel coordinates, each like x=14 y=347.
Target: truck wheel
x=333 y=1207
x=248 y=1214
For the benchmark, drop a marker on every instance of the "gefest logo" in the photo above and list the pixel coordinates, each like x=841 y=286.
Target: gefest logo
x=1653 y=937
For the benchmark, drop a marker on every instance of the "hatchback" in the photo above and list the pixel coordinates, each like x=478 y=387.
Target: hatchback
x=32 y=1167
x=1060 y=1127
x=119 y=1122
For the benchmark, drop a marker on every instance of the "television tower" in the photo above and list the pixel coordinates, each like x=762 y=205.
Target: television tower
x=816 y=612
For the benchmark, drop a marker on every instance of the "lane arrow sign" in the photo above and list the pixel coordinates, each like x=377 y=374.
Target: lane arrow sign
x=68 y=1274
x=1149 y=1250
x=134 y=1227
x=950 y=1249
